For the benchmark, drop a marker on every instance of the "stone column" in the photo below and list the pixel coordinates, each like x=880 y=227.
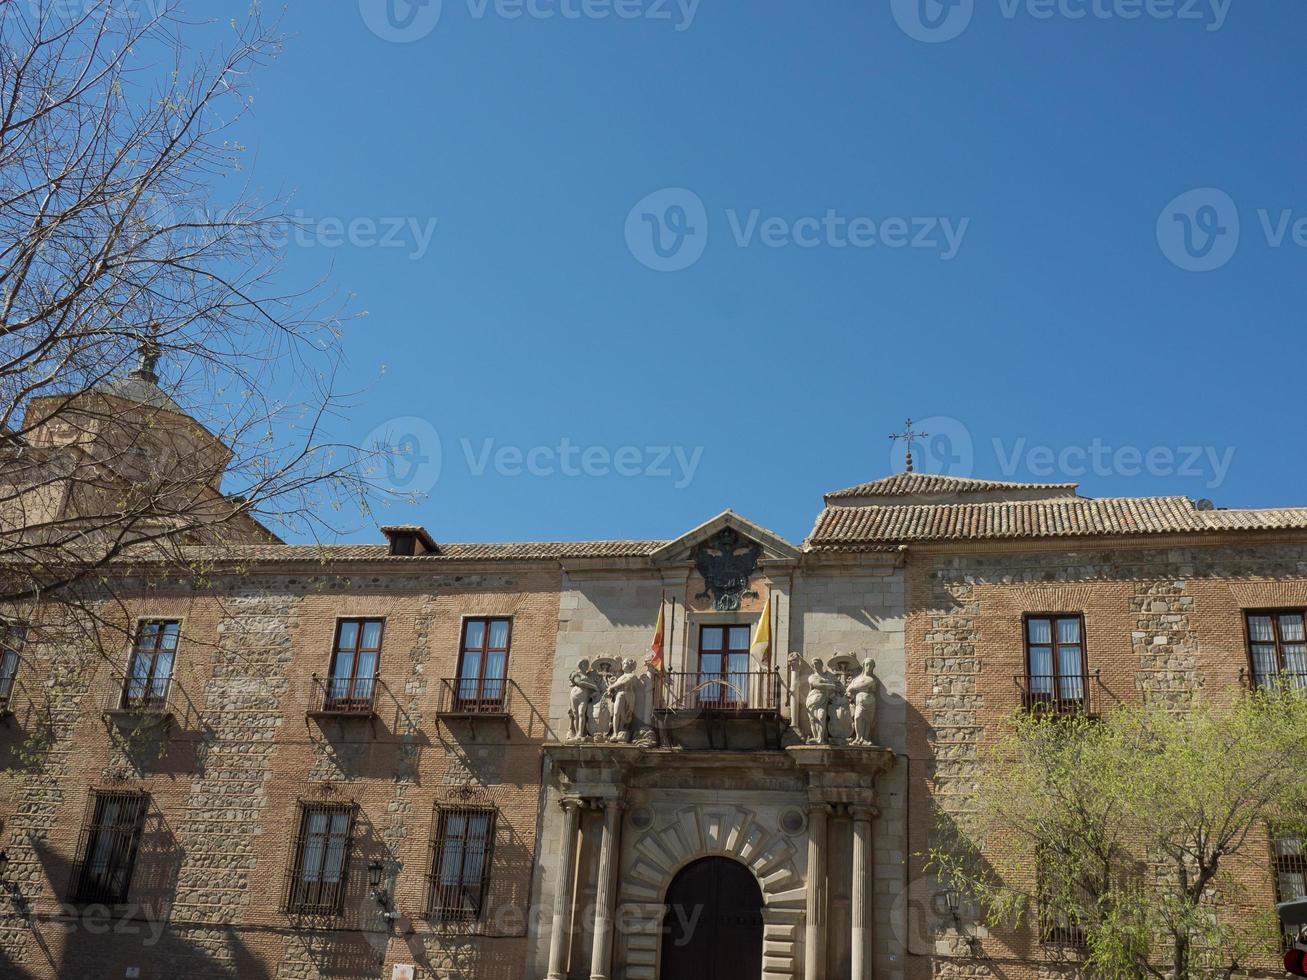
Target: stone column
x=814 y=949
x=559 y=937
x=862 y=897
x=606 y=896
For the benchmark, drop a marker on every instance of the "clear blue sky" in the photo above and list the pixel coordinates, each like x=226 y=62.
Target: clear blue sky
x=1060 y=320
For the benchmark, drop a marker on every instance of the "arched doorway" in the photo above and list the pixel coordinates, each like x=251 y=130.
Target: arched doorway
x=713 y=925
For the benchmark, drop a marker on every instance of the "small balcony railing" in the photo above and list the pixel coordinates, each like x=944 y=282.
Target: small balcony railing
x=471 y=697
x=728 y=693
x=1049 y=695
x=345 y=696
x=1285 y=680
x=132 y=694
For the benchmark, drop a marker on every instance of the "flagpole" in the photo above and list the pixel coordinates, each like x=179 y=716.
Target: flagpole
x=671 y=625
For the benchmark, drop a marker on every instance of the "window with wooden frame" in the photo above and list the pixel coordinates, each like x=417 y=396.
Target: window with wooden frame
x=320 y=858
x=1056 y=675
x=106 y=851
x=149 y=671
x=1277 y=647
x=483 y=663
x=462 y=848
x=355 y=664
x=12 y=638
x=724 y=665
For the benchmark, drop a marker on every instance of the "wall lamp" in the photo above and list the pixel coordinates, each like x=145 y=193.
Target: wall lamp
x=376 y=870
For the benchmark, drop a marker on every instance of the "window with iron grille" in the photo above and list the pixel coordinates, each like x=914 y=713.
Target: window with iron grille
x=1059 y=925
x=1055 y=660
x=1277 y=647
x=320 y=864
x=1290 y=867
x=12 y=639
x=149 y=674
x=355 y=661
x=461 y=851
x=106 y=852
x=483 y=663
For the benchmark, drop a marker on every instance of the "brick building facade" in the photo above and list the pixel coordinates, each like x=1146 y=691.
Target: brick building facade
x=300 y=762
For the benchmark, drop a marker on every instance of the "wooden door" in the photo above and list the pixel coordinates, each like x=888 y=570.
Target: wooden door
x=713 y=924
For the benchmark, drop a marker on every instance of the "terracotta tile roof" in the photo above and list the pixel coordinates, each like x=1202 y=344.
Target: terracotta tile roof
x=912 y=484
x=854 y=528
x=511 y=551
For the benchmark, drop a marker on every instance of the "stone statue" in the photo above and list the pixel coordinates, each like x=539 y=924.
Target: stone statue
x=622 y=691
x=584 y=689
x=864 y=691
x=823 y=688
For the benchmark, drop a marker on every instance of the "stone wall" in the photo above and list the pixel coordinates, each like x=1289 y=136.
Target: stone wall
x=847 y=607
x=227 y=776
x=1162 y=625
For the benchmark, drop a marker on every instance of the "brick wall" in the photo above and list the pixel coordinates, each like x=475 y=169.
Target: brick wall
x=1161 y=625
x=227 y=777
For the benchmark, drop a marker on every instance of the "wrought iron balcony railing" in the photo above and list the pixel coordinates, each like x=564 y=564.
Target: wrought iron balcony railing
x=1046 y=694
x=134 y=694
x=474 y=696
x=345 y=696
x=1285 y=680
x=730 y=693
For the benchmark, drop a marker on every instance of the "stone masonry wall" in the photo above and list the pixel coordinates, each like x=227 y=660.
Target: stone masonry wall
x=1161 y=625
x=226 y=780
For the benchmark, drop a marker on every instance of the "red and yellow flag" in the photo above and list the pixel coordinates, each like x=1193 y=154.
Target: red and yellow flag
x=656 y=659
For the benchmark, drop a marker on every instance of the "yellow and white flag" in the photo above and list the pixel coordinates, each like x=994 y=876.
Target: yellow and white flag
x=760 y=649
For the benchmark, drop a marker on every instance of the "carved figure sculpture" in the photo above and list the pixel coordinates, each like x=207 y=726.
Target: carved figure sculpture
x=823 y=687
x=584 y=690
x=864 y=690
x=622 y=691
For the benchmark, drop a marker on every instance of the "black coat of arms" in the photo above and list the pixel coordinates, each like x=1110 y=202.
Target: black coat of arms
x=727 y=562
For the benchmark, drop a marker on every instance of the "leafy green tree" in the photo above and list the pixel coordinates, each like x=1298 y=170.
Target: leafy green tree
x=1139 y=839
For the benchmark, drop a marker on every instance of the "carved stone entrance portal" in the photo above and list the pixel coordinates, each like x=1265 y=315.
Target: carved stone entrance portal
x=713 y=926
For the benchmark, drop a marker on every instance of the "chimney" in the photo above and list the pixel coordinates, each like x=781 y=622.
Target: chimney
x=409 y=540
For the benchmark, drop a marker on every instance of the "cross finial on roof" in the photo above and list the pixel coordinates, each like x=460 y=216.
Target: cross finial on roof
x=908 y=436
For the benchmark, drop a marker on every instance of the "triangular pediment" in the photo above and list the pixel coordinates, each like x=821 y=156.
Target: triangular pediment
x=773 y=546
